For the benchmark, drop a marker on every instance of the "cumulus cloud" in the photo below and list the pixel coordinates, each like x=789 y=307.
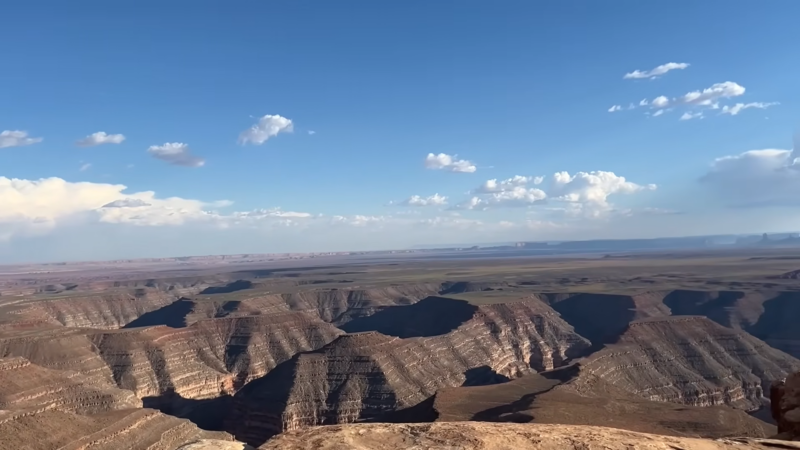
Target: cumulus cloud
x=416 y=200
x=592 y=188
x=660 y=102
x=43 y=204
x=492 y=186
x=708 y=96
x=757 y=177
x=615 y=108
x=691 y=115
x=739 y=107
x=267 y=127
x=100 y=138
x=176 y=153
x=583 y=191
x=450 y=163
x=657 y=71
x=17 y=138
x=518 y=196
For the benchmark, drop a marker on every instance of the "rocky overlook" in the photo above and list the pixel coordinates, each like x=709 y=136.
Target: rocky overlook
x=496 y=436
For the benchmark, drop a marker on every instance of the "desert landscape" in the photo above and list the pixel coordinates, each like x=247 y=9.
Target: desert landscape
x=163 y=354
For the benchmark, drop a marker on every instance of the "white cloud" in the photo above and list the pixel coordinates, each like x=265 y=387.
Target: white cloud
x=659 y=112
x=357 y=220
x=126 y=203
x=518 y=196
x=312 y=132
x=416 y=200
x=757 y=177
x=615 y=108
x=584 y=191
x=100 y=138
x=708 y=96
x=691 y=115
x=176 y=153
x=660 y=102
x=273 y=212
x=267 y=127
x=739 y=107
x=491 y=186
x=443 y=161
x=643 y=102
x=660 y=70
x=17 y=138
x=43 y=204
x=592 y=188
x=85 y=167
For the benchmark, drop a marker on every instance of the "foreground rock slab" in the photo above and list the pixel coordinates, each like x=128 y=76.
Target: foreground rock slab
x=495 y=436
x=215 y=444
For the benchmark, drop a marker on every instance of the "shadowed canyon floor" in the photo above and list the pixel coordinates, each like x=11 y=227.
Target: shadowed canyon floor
x=674 y=344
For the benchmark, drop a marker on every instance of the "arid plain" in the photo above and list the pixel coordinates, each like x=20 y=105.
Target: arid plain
x=158 y=354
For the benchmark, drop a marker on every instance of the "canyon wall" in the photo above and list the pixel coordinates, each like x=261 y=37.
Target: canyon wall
x=364 y=375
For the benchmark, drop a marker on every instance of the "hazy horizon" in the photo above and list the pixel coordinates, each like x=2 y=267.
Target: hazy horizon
x=158 y=129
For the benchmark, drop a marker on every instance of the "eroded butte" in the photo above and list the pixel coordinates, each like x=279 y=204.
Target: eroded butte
x=388 y=354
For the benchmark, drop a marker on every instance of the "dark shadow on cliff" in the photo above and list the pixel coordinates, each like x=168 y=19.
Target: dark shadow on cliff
x=482 y=376
x=777 y=326
x=207 y=414
x=238 y=285
x=711 y=304
x=601 y=318
x=172 y=315
x=518 y=410
x=422 y=412
x=431 y=316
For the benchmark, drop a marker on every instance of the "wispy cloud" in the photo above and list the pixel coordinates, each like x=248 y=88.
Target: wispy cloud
x=417 y=200
x=100 y=138
x=175 y=153
x=656 y=72
x=691 y=115
x=85 y=167
x=17 y=138
x=739 y=107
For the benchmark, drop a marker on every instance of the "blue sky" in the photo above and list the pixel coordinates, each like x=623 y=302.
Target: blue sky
x=359 y=93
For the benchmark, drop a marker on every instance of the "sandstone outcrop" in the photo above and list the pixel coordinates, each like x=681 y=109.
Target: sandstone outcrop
x=785 y=402
x=28 y=387
x=96 y=310
x=496 y=436
x=209 y=358
x=365 y=375
x=130 y=429
x=546 y=398
x=206 y=360
x=689 y=360
x=215 y=444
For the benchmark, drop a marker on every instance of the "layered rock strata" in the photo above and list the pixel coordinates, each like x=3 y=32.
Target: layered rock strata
x=364 y=375
x=26 y=386
x=130 y=429
x=100 y=311
x=689 y=360
x=205 y=360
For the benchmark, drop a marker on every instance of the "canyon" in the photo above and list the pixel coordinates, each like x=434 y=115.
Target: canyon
x=253 y=355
